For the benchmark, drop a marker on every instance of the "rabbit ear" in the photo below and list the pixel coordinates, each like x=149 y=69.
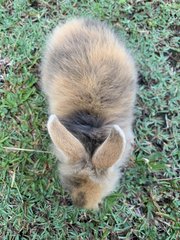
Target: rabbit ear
x=65 y=141
x=111 y=149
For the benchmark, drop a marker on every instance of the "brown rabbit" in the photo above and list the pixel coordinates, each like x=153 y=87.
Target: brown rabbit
x=90 y=81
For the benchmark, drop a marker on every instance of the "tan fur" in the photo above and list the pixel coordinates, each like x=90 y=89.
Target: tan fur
x=85 y=91
x=91 y=194
x=108 y=153
x=69 y=145
x=86 y=68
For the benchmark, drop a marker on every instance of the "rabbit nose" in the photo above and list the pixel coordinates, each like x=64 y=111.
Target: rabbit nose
x=100 y=205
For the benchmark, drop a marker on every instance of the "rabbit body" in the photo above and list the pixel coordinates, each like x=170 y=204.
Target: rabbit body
x=90 y=80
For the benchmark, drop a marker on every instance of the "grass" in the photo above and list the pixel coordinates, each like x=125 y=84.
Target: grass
x=32 y=203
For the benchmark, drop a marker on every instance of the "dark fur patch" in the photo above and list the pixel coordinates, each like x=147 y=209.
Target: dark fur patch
x=80 y=200
x=87 y=128
x=74 y=182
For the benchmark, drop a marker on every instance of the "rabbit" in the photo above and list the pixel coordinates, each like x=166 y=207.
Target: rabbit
x=90 y=80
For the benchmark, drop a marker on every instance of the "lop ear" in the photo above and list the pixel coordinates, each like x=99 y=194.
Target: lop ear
x=65 y=141
x=110 y=150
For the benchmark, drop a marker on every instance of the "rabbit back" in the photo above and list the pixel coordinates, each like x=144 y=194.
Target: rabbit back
x=86 y=68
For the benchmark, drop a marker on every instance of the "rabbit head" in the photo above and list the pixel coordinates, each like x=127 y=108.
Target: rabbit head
x=88 y=178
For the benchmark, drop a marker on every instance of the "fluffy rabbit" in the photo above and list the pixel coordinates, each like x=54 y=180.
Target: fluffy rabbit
x=90 y=81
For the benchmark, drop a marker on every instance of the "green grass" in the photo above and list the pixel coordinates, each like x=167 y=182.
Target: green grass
x=32 y=203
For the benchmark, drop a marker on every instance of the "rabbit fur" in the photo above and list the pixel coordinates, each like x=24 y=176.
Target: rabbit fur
x=90 y=80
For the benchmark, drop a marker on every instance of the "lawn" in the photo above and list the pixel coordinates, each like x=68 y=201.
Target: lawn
x=33 y=204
